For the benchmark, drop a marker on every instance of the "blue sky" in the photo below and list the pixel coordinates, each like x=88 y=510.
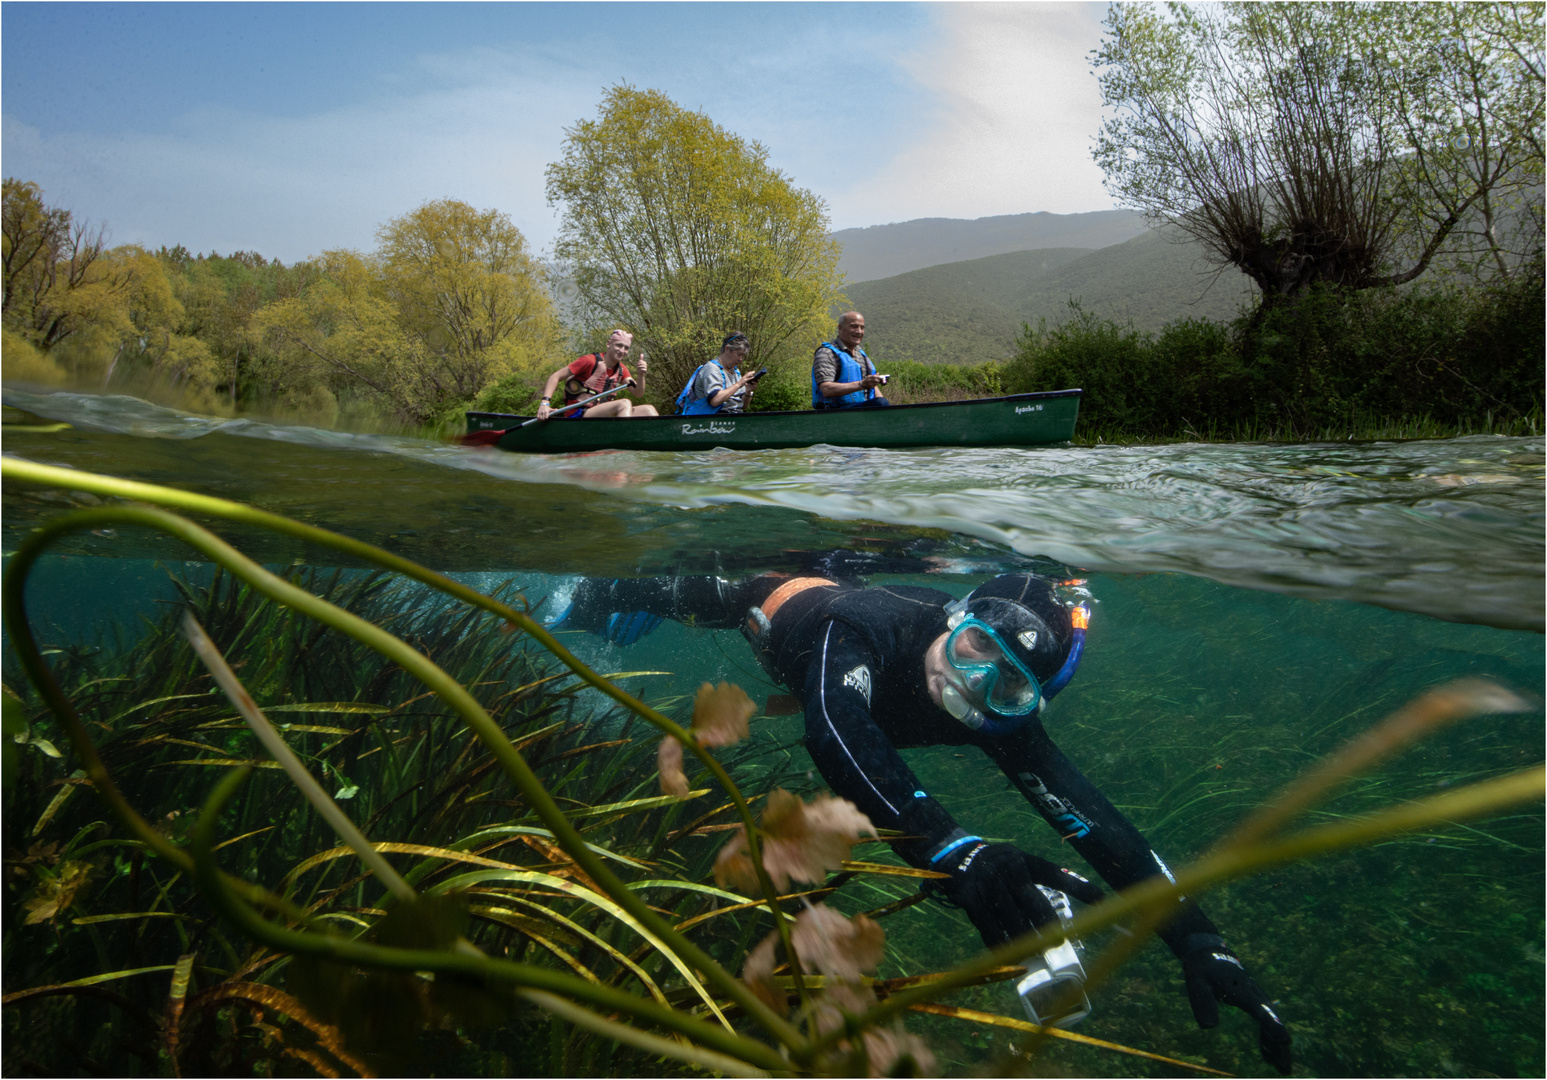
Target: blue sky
x=290 y=129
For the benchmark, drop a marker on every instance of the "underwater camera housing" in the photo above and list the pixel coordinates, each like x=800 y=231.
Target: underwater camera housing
x=1053 y=988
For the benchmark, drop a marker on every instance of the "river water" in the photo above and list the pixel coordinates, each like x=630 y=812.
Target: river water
x=1256 y=606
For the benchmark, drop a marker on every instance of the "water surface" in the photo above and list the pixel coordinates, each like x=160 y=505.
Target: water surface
x=1257 y=605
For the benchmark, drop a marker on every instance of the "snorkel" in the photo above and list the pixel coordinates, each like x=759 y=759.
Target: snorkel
x=1079 y=617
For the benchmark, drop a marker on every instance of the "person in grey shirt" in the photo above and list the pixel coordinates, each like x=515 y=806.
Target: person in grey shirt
x=842 y=376
x=720 y=382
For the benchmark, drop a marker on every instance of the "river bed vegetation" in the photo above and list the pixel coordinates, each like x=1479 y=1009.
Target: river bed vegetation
x=535 y=899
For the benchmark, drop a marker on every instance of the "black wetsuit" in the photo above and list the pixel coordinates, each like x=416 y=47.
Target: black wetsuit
x=855 y=658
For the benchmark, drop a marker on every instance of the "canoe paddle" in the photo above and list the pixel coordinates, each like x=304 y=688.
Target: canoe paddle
x=588 y=401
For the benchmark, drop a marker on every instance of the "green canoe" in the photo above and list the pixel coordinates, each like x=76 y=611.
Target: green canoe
x=1019 y=420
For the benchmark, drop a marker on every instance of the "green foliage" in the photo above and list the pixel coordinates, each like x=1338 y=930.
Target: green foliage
x=464 y=284
x=220 y=295
x=450 y=303
x=515 y=393
x=88 y=308
x=785 y=389
x=1337 y=361
x=681 y=231
x=1348 y=144
x=24 y=362
x=913 y=382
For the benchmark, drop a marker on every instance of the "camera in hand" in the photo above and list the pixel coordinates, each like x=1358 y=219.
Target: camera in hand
x=759 y=373
x=1053 y=990
x=884 y=378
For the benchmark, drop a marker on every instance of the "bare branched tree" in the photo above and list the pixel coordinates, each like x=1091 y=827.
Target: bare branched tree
x=1343 y=143
x=49 y=260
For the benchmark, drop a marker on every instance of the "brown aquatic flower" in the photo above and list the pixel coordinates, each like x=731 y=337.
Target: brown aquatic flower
x=841 y=949
x=758 y=974
x=826 y=941
x=894 y=1052
x=720 y=714
x=800 y=840
x=669 y=760
x=837 y=946
x=889 y=1050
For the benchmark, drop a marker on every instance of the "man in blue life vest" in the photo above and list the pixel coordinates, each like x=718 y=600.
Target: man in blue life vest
x=719 y=387
x=594 y=374
x=842 y=376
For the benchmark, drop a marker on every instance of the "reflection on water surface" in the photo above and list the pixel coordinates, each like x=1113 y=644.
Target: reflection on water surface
x=1452 y=528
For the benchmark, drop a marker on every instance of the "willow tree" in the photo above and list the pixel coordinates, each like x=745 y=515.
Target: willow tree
x=467 y=288
x=682 y=232
x=449 y=303
x=1352 y=144
x=57 y=279
x=90 y=311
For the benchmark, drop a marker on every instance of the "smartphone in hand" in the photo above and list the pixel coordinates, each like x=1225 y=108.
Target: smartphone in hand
x=759 y=373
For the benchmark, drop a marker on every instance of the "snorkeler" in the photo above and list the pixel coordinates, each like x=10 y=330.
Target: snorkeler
x=880 y=669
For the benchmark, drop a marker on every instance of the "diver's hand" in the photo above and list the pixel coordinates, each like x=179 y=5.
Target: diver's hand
x=996 y=885
x=1215 y=975
x=627 y=627
x=590 y=610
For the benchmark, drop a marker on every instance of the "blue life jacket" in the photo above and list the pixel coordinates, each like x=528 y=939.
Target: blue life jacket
x=688 y=405
x=849 y=370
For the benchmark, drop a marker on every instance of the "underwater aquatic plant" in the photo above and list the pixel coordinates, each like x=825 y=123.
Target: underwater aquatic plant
x=444 y=760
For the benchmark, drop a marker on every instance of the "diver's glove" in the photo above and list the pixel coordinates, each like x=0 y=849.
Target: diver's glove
x=589 y=610
x=1214 y=974
x=996 y=885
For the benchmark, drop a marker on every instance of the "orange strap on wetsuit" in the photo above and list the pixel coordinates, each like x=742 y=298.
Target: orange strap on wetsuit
x=782 y=594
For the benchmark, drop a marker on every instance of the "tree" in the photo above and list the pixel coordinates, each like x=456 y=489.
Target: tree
x=466 y=288
x=343 y=333
x=1343 y=143
x=1468 y=86
x=86 y=307
x=220 y=295
x=681 y=231
x=55 y=279
x=147 y=326
x=448 y=304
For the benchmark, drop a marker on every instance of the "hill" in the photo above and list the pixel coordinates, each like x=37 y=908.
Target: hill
x=887 y=250
x=972 y=310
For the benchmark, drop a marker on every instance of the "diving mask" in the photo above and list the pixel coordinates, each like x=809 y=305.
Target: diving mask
x=985 y=675
x=990 y=649
x=989 y=686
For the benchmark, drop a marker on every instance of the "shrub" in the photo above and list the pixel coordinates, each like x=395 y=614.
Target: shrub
x=1335 y=361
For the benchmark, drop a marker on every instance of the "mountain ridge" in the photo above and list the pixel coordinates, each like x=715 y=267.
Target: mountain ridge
x=880 y=251
x=972 y=310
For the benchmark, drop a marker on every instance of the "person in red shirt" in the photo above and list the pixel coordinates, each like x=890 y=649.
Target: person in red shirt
x=595 y=374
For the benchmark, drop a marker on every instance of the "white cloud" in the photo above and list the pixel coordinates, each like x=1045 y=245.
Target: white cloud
x=1016 y=109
